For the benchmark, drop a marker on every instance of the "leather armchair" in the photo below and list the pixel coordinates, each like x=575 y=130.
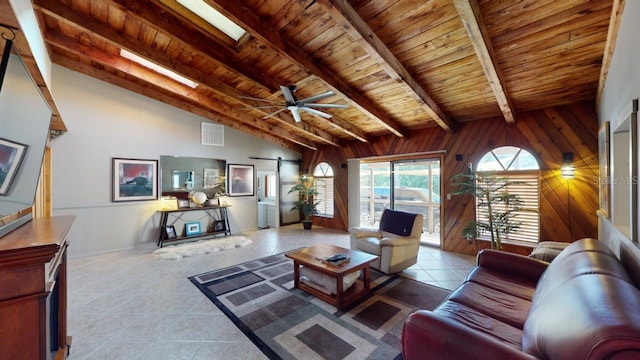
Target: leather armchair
x=395 y=242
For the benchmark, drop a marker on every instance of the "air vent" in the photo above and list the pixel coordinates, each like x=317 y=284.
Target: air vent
x=212 y=134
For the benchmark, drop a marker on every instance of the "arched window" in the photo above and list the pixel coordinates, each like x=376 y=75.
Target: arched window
x=516 y=165
x=323 y=179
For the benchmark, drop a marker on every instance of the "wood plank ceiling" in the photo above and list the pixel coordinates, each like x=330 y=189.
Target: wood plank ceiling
x=400 y=65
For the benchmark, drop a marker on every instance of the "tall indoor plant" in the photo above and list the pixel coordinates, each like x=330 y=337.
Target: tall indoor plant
x=306 y=203
x=500 y=206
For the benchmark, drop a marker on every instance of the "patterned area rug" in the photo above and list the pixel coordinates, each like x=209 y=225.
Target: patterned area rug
x=287 y=323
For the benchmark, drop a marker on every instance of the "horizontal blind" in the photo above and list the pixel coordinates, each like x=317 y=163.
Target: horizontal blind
x=528 y=216
x=324 y=186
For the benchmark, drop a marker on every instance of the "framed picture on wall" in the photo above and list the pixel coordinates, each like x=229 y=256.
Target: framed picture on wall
x=11 y=155
x=134 y=179
x=604 y=176
x=240 y=180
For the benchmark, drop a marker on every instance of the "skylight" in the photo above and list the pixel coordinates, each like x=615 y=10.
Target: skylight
x=157 y=68
x=213 y=17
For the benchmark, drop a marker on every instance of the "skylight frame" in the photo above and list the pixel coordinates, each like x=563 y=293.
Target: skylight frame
x=214 y=17
x=157 y=68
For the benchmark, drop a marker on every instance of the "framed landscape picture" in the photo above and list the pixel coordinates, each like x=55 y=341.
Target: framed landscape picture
x=134 y=179
x=11 y=155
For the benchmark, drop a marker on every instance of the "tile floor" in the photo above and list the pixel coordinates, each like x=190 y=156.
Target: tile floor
x=132 y=305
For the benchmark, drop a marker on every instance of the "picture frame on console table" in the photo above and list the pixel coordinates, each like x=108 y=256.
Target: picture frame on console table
x=240 y=180
x=11 y=155
x=192 y=229
x=219 y=226
x=183 y=203
x=171 y=232
x=134 y=179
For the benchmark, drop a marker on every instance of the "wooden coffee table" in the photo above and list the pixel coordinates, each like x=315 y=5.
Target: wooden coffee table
x=309 y=257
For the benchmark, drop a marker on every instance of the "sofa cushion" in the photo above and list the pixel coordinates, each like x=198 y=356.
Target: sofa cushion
x=369 y=245
x=582 y=245
x=480 y=322
x=589 y=317
x=397 y=222
x=576 y=264
x=548 y=250
x=503 y=282
x=498 y=305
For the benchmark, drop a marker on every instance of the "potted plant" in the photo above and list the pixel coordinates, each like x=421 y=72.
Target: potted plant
x=500 y=206
x=306 y=203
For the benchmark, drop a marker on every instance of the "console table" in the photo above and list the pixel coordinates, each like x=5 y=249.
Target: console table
x=217 y=224
x=33 y=290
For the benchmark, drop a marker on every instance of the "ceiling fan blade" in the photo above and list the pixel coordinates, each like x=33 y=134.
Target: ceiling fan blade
x=326 y=106
x=257 y=99
x=317 y=97
x=295 y=113
x=315 y=112
x=288 y=95
x=273 y=113
x=260 y=107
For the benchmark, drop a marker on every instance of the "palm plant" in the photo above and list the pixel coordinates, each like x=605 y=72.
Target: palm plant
x=501 y=206
x=306 y=203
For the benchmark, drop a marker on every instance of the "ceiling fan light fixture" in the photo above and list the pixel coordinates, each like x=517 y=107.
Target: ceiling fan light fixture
x=295 y=106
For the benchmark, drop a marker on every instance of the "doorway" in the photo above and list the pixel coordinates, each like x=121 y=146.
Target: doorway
x=267 y=196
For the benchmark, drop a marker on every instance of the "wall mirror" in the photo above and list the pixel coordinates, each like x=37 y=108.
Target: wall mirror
x=23 y=137
x=624 y=172
x=184 y=173
x=182 y=179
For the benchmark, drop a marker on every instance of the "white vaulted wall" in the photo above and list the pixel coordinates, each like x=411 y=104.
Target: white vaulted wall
x=106 y=121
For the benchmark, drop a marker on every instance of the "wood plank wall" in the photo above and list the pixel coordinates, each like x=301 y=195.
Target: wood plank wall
x=567 y=207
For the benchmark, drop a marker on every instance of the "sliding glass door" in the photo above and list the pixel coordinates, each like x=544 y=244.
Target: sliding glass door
x=405 y=185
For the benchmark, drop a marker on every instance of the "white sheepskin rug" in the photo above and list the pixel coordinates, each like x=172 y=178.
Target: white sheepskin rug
x=175 y=252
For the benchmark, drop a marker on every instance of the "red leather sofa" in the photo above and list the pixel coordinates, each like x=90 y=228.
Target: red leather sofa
x=582 y=305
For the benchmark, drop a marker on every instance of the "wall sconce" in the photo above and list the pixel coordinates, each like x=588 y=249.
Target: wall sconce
x=567 y=170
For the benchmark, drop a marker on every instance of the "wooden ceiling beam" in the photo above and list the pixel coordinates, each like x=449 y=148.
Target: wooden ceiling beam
x=346 y=16
x=184 y=32
x=245 y=18
x=469 y=12
x=610 y=45
x=345 y=127
x=21 y=45
x=198 y=43
x=109 y=35
x=167 y=91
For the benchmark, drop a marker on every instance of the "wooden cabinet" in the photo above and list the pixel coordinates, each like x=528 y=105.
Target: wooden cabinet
x=216 y=223
x=33 y=290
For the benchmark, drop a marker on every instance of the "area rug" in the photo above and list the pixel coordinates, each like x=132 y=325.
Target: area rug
x=287 y=323
x=175 y=252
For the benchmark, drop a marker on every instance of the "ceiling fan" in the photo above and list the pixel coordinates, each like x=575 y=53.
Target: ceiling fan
x=296 y=106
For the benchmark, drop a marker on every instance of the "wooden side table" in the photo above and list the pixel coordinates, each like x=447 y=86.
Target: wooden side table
x=312 y=256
